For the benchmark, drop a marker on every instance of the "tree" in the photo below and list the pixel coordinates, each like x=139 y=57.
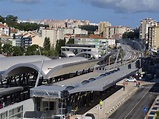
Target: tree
x=32 y=50
x=7 y=48
x=2 y=19
x=11 y=20
x=0 y=47
x=70 y=41
x=59 y=43
x=46 y=44
x=17 y=51
x=132 y=34
x=89 y=28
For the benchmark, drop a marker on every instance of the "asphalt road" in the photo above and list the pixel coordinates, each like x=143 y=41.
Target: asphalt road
x=134 y=107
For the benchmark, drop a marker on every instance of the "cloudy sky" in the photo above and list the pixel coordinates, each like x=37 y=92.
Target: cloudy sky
x=117 y=12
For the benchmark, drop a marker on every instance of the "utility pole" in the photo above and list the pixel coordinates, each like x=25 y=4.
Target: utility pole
x=39 y=72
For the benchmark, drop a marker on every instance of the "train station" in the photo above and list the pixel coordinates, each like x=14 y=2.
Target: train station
x=54 y=86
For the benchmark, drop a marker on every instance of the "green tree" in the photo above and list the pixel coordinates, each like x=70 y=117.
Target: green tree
x=132 y=34
x=7 y=48
x=89 y=28
x=17 y=51
x=70 y=41
x=0 y=47
x=59 y=43
x=2 y=19
x=11 y=20
x=46 y=44
x=157 y=115
x=32 y=50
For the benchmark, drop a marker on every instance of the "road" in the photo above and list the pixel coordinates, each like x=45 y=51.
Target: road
x=134 y=107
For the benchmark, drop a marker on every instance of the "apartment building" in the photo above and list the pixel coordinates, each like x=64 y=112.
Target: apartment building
x=102 y=26
x=153 y=37
x=53 y=34
x=115 y=32
x=4 y=29
x=26 y=39
x=22 y=41
x=59 y=33
x=84 y=43
x=70 y=23
x=56 y=23
x=144 y=25
x=79 y=31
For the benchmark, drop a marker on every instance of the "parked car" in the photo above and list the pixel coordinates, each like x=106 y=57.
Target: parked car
x=59 y=117
x=90 y=116
x=131 y=79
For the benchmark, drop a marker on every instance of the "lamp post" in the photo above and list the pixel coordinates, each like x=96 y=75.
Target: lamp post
x=109 y=60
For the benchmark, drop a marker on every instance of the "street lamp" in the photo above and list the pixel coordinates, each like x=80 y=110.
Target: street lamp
x=109 y=60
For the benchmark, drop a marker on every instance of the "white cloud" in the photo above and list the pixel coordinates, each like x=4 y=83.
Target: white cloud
x=127 y=5
x=26 y=1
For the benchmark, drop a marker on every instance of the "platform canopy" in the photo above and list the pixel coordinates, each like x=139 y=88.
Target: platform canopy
x=68 y=53
x=10 y=90
x=50 y=91
x=99 y=83
x=94 y=54
x=51 y=68
x=7 y=62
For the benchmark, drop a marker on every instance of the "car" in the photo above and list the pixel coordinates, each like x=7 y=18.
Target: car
x=90 y=115
x=102 y=75
x=131 y=79
x=87 y=117
x=59 y=117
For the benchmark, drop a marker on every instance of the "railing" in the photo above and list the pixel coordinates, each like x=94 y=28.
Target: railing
x=47 y=115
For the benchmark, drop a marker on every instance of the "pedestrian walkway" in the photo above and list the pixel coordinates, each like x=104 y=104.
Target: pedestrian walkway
x=110 y=104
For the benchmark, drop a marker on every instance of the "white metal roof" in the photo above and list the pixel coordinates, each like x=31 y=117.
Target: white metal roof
x=8 y=62
x=49 y=69
x=93 y=53
x=68 y=53
x=100 y=83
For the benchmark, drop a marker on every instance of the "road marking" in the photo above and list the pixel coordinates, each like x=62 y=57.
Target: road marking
x=136 y=104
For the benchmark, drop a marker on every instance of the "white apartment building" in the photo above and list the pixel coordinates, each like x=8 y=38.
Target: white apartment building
x=144 y=25
x=68 y=31
x=53 y=34
x=90 y=43
x=70 y=23
x=4 y=29
x=79 y=31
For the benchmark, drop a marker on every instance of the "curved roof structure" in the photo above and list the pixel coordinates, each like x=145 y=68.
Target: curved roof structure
x=68 y=53
x=8 y=62
x=94 y=54
x=81 y=84
x=10 y=90
x=49 y=69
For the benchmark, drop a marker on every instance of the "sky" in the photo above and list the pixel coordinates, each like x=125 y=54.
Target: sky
x=117 y=12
